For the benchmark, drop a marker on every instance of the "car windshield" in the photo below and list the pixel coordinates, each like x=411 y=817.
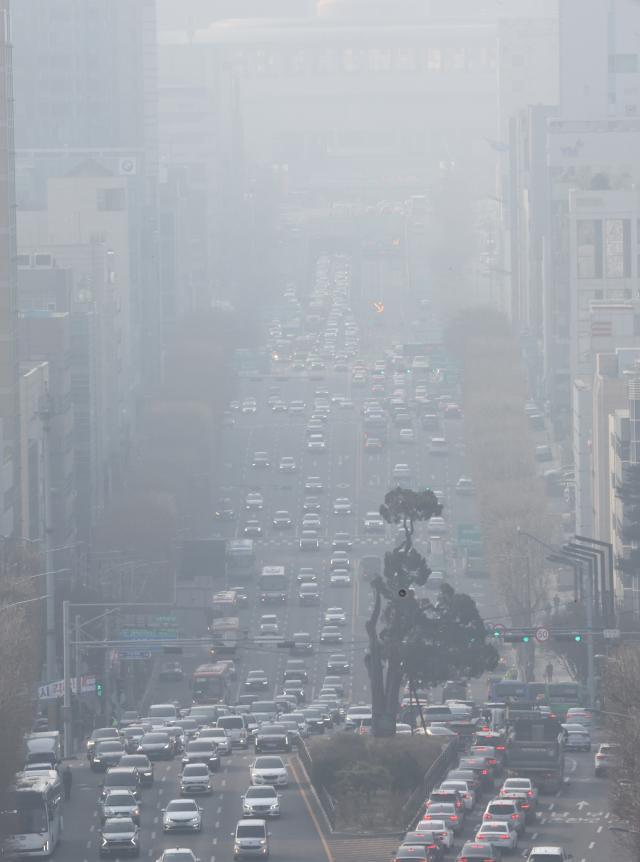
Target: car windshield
x=442 y=808
x=501 y=808
x=272 y=728
x=260 y=792
x=105 y=747
x=139 y=760
x=200 y=745
x=118 y=825
x=269 y=763
x=249 y=830
x=494 y=827
x=545 y=857
x=178 y=856
x=182 y=805
x=232 y=722
x=155 y=738
x=197 y=769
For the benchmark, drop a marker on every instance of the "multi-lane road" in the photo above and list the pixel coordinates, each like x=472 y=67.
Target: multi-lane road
x=576 y=819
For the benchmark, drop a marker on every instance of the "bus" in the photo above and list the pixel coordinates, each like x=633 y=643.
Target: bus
x=240 y=560
x=32 y=817
x=223 y=604
x=210 y=683
x=508 y=691
x=273 y=585
x=558 y=696
x=225 y=634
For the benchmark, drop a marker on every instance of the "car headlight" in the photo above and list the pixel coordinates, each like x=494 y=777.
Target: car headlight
x=275 y=806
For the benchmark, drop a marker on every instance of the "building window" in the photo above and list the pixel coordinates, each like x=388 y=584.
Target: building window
x=458 y=59
x=351 y=61
x=43 y=260
x=327 y=62
x=623 y=63
x=110 y=200
x=617 y=251
x=23 y=260
x=589 y=248
x=406 y=60
x=379 y=59
x=434 y=59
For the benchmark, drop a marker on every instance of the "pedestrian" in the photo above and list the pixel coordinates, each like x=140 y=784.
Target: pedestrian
x=67 y=781
x=548 y=672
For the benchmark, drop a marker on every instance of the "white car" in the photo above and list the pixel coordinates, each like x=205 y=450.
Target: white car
x=407 y=435
x=463 y=787
x=464 y=487
x=219 y=736
x=439 y=828
x=262 y=801
x=182 y=814
x=340 y=578
x=316 y=443
x=403 y=729
x=195 y=778
x=254 y=500
x=437 y=526
x=331 y=635
x=342 y=506
x=335 y=617
x=287 y=465
x=518 y=785
x=401 y=471
x=269 y=770
x=499 y=834
x=373 y=522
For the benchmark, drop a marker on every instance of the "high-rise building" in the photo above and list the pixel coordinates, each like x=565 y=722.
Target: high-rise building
x=9 y=388
x=85 y=89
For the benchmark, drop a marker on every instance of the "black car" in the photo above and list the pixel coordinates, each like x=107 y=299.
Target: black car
x=119 y=836
x=429 y=840
x=144 y=766
x=107 y=754
x=479 y=851
x=315 y=720
x=272 y=737
x=157 y=746
x=202 y=751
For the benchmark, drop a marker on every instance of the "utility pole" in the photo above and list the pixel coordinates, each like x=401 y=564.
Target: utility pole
x=51 y=656
x=591 y=679
x=66 y=707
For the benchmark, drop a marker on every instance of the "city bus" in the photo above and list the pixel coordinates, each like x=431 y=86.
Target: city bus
x=240 y=560
x=225 y=634
x=558 y=696
x=32 y=817
x=273 y=585
x=223 y=604
x=210 y=683
x=508 y=691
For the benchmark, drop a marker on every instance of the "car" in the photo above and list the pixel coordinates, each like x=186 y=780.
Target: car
x=334 y=683
x=309 y=540
x=128 y=717
x=120 y=803
x=413 y=851
x=519 y=785
x=342 y=506
x=338 y=663
x=339 y=560
x=576 y=737
x=464 y=788
x=373 y=444
x=107 y=754
x=219 y=736
x=272 y=737
x=121 y=778
x=438 y=446
x=287 y=464
x=373 y=523
x=253 y=528
x=297 y=407
x=316 y=443
x=119 y=836
x=178 y=854
x=182 y=814
x=156 y=745
x=437 y=526
x=479 y=851
x=548 y=853
x=341 y=542
x=439 y=828
x=340 y=578
x=308 y=594
x=301 y=642
x=269 y=770
x=465 y=487
x=251 y=838
x=452 y=411
x=257 y=680
x=580 y=716
x=313 y=484
x=306 y=575
x=268 y=631
x=282 y=520
x=142 y=763
x=260 y=460
x=506 y=810
x=202 y=751
x=446 y=811
x=498 y=833
x=330 y=635
x=335 y=617
x=235 y=726
x=311 y=506
x=249 y=405
x=606 y=758
x=401 y=471
x=543 y=453
x=261 y=801
x=194 y=779
x=311 y=521
x=278 y=406
x=295 y=669
x=407 y=435
x=254 y=500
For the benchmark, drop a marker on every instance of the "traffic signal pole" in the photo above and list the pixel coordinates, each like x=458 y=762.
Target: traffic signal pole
x=591 y=679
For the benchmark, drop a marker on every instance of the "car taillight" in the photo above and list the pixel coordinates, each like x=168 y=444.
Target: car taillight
x=515 y=816
x=453 y=817
x=492 y=761
x=504 y=837
x=486 y=816
x=529 y=792
x=485 y=771
x=501 y=748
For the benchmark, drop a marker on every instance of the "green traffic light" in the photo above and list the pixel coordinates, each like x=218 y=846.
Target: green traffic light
x=525 y=639
x=577 y=638
x=99 y=689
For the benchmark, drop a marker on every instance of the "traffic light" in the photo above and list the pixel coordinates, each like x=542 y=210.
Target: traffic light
x=574 y=637
x=99 y=688
x=517 y=637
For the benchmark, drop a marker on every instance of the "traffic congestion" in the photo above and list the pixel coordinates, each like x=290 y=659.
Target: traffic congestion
x=207 y=768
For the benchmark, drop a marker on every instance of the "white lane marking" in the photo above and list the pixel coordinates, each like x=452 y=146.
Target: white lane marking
x=551 y=806
x=599 y=829
x=215 y=840
x=592 y=844
x=92 y=827
x=217 y=824
x=223 y=783
x=219 y=811
x=153 y=835
x=534 y=836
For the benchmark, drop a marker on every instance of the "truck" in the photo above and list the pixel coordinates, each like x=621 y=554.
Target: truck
x=535 y=748
x=44 y=747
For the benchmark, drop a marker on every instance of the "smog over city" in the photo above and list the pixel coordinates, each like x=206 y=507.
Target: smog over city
x=320 y=425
